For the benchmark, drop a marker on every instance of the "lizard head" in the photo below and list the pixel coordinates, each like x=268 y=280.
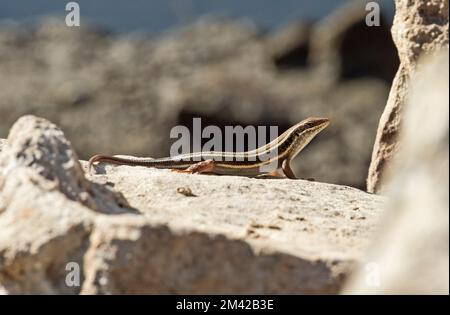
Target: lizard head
x=313 y=123
x=305 y=131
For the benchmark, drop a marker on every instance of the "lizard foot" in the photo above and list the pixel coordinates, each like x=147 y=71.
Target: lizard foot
x=207 y=166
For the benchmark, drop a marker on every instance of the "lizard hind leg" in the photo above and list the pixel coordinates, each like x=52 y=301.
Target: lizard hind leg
x=207 y=166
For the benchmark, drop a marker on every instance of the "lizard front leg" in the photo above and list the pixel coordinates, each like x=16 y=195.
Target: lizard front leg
x=271 y=175
x=207 y=166
x=287 y=169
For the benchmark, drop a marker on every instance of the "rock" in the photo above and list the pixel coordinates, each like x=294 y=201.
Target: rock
x=44 y=205
x=236 y=235
x=420 y=27
x=411 y=253
x=37 y=151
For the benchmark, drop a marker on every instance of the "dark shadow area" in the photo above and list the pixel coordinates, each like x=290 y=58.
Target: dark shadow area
x=368 y=51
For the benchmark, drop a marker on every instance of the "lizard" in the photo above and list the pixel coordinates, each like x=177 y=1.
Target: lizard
x=281 y=151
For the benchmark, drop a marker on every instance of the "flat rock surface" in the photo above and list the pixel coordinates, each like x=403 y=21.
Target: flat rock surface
x=276 y=235
x=309 y=219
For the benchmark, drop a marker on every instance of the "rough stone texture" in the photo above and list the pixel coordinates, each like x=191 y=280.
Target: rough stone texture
x=411 y=254
x=53 y=163
x=235 y=235
x=420 y=27
x=44 y=203
x=122 y=95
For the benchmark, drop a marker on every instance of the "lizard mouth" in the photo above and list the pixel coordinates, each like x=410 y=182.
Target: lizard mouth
x=320 y=123
x=323 y=121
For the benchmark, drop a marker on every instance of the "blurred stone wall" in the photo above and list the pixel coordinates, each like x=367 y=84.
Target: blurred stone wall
x=122 y=95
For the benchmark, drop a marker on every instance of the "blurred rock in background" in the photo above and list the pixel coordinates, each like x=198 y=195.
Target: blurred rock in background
x=122 y=95
x=411 y=253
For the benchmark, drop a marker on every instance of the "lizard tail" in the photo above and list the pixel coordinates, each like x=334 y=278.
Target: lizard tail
x=94 y=159
x=117 y=159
